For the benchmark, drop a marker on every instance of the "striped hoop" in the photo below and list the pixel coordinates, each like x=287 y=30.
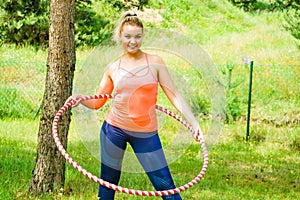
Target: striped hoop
x=94 y=178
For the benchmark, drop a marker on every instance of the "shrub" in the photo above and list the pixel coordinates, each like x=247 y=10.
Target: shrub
x=247 y=5
x=90 y=28
x=129 y=4
x=27 y=23
x=233 y=107
x=24 y=22
x=233 y=102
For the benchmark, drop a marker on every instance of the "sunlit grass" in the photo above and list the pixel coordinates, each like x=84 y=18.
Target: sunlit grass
x=267 y=167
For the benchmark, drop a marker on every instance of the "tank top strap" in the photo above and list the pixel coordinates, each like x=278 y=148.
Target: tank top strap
x=146 y=55
x=147 y=66
x=147 y=61
x=119 y=65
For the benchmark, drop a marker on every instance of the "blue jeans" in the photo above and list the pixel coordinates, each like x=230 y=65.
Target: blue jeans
x=148 y=149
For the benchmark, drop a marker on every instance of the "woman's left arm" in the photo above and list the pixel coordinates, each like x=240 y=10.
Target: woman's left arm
x=175 y=96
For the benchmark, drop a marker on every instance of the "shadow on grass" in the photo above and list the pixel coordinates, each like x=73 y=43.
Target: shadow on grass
x=17 y=160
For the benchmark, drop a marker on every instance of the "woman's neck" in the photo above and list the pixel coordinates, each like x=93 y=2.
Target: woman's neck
x=132 y=60
x=134 y=56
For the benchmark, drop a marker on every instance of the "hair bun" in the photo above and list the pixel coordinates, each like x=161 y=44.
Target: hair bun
x=130 y=14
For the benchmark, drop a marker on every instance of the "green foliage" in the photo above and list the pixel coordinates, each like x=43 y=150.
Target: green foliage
x=27 y=23
x=199 y=105
x=13 y=105
x=90 y=28
x=233 y=102
x=295 y=143
x=292 y=18
x=247 y=5
x=282 y=4
x=291 y=9
x=233 y=107
x=24 y=22
x=128 y=4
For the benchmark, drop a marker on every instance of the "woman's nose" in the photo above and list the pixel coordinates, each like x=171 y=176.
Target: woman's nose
x=132 y=40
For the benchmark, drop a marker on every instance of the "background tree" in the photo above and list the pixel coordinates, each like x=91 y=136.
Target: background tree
x=292 y=17
x=25 y=22
x=50 y=165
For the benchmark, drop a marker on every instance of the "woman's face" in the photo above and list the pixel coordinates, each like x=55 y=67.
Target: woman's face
x=131 y=38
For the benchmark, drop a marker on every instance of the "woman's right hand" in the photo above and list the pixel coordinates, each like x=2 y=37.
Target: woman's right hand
x=76 y=99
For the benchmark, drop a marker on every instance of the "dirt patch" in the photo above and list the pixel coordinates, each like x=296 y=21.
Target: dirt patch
x=150 y=15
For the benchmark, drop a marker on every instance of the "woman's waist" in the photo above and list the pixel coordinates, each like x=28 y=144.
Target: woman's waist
x=125 y=113
x=135 y=121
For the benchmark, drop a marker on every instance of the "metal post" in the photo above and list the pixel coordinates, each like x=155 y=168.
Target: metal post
x=249 y=100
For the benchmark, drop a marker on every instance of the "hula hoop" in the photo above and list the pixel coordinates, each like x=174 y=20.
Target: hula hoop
x=107 y=184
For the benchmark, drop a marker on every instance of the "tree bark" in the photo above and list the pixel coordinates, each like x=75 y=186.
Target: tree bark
x=49 y=170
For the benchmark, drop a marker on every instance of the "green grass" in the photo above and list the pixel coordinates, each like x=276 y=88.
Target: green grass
x=265 y=168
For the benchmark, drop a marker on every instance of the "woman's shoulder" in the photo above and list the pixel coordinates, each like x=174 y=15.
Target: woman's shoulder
x=111 y=67
x=155 y=59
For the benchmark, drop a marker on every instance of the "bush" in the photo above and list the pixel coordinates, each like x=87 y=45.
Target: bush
x=280 y=4
x=128 y=4
x=26 y=22
x=247 y=5
x=90 y=28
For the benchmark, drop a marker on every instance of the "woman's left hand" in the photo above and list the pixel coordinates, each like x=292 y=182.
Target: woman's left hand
x=197 y=130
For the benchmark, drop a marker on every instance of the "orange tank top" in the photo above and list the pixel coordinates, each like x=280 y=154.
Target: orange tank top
x=135 y=98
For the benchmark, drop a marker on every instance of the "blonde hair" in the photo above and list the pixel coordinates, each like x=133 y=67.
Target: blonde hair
x=128 y=17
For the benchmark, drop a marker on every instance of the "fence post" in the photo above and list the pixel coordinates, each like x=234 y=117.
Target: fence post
x=249 y=100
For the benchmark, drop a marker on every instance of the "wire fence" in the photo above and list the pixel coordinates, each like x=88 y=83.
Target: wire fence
x=275 y=90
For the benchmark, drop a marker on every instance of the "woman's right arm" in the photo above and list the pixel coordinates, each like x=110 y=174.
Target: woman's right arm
x=106 y=87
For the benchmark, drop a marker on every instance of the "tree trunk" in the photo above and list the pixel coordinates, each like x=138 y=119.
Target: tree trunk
x=49 y=170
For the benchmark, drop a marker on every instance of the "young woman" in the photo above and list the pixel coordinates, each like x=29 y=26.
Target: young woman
x=134 y=78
